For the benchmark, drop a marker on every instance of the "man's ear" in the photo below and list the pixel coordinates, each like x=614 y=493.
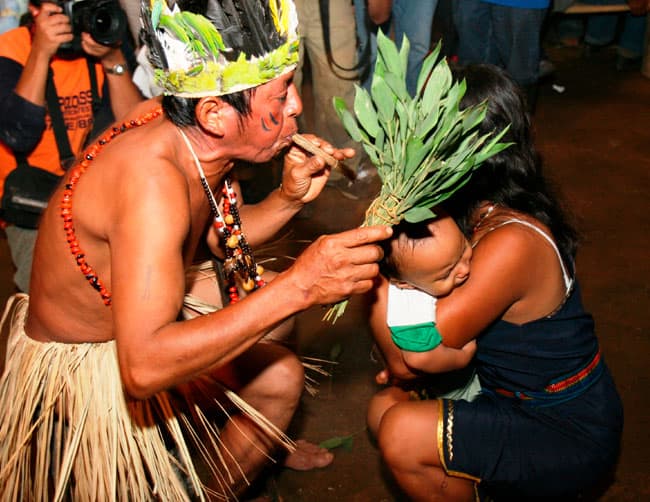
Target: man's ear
x=216 y=116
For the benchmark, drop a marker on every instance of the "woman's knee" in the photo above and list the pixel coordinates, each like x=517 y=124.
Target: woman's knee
x=393 y=435
x=407 y=435
x=380 y=403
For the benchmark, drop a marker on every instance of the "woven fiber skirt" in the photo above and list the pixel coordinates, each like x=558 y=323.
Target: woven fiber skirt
x=69 y=432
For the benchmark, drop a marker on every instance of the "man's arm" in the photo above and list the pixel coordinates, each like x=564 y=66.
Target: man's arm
x=147 y=234
x=51 y=29
x=124 y=94
x=304 y=177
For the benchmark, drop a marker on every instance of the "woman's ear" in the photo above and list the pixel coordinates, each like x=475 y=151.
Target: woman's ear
x=215 y=116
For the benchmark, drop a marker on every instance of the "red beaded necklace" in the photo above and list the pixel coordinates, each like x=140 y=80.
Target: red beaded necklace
x=239 y=261
x=66 y=202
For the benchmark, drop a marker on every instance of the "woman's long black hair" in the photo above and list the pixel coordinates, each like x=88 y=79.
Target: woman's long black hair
x=514 y=177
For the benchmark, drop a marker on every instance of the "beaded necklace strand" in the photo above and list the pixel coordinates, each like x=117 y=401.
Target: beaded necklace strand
x=66 y=202
x=239 y=262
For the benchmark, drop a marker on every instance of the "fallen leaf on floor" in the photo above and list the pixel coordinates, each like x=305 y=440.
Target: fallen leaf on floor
x=344 y=442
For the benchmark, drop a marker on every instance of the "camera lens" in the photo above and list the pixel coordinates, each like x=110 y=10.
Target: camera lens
x=106 y=22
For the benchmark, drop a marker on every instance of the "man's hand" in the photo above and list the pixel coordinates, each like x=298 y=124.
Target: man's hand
x=109 y=55
x=337 y=266
x=305 y=175
x=51 y=29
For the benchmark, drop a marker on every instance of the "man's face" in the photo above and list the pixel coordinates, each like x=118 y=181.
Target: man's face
x=275 y=107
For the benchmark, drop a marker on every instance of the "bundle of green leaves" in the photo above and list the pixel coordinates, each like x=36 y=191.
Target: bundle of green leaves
x=424 y=146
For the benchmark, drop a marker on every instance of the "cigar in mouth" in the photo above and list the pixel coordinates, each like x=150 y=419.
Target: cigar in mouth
x=331 y=161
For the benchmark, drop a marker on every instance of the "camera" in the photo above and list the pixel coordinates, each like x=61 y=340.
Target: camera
x=103 y=19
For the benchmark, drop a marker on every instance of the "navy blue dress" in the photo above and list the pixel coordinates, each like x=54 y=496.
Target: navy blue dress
x=548 y=421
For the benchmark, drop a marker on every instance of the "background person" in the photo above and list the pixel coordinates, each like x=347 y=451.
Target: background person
x=413 y=18
x=506 y=33
x=27 y=54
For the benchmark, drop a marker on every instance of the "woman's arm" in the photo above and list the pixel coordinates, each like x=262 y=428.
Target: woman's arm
x=404 y=364
x=515 y=276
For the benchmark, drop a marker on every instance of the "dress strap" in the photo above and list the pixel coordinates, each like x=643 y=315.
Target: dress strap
x=568 y=280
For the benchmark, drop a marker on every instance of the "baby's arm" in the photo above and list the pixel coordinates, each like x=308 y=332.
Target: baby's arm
x=393 y=359
x=441 y=358
x=411 y=316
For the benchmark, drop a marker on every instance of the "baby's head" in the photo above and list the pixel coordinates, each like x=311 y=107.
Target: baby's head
x=432 y=256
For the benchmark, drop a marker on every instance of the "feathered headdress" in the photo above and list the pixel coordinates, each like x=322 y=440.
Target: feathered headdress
x=231 y=46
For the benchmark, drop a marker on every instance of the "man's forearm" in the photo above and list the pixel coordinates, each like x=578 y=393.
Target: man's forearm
x=263 y=220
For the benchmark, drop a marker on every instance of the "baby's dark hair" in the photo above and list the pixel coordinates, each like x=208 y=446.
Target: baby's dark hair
x=514 y=177
x=389 y=265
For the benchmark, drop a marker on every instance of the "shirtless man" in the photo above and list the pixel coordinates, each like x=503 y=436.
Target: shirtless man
x=98 y=356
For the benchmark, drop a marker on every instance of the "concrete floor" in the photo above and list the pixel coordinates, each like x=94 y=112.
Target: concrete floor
x=595 y=138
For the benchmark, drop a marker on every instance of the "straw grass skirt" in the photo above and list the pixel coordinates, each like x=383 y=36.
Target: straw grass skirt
x=69 y=432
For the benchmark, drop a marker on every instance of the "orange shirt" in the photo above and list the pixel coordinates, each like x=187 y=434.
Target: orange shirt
x=73 y=87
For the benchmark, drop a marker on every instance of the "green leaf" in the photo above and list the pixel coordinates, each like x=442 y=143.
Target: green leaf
x=345 y=442
x=383 y=98
x=365 y=111
x=387 y=53
x=428 y=122
x=404 y=50
x=418 y=214
x=372 y=153
x=415 y=154
x=379 y=140
x=403 y=117
x=474 y=116
x=427 y=66
x=397 y=84
x=438 y=84
x=348 y=120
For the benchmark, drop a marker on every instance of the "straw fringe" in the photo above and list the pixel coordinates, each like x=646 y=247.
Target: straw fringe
x=68 y=432
x=194 y=306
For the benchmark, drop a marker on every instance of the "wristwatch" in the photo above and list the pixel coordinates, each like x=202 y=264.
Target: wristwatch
x=118 y=69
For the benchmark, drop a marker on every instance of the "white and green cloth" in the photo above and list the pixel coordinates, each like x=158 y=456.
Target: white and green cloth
x=411 y=317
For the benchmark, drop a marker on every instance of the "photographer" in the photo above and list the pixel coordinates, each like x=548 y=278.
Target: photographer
x=52 y=42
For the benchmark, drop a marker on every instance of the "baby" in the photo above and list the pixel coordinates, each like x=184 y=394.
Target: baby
x=423 y=262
